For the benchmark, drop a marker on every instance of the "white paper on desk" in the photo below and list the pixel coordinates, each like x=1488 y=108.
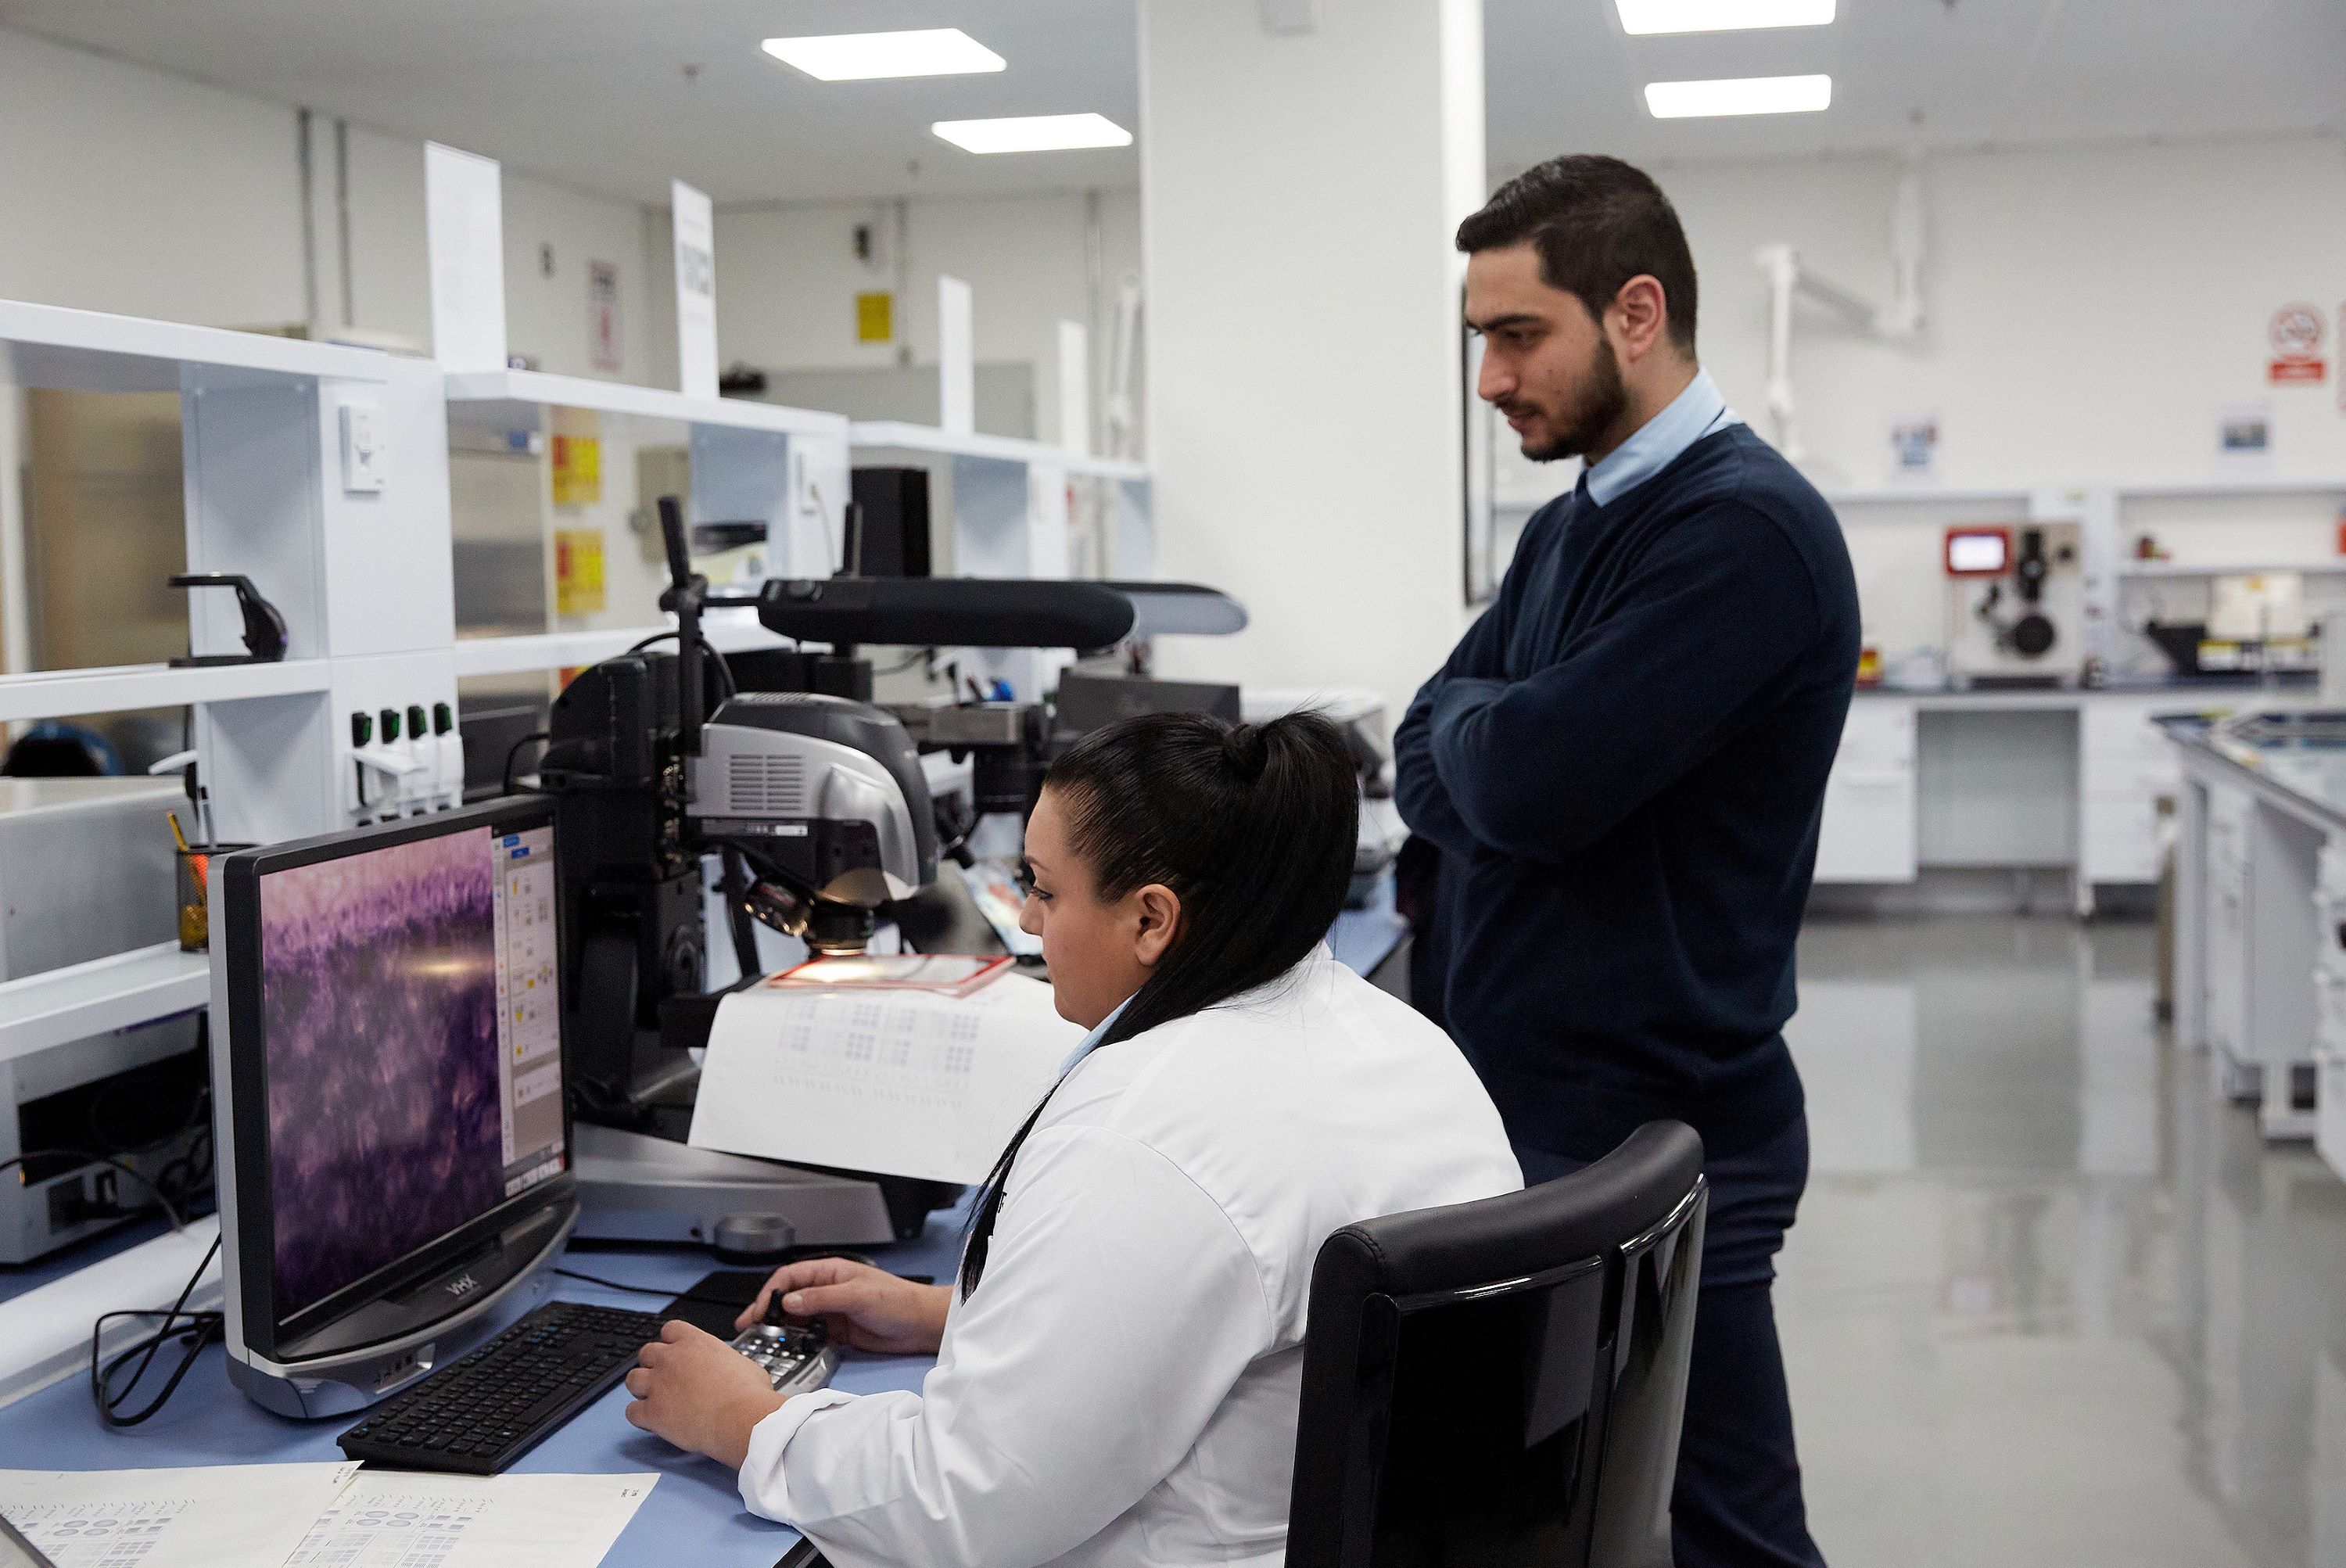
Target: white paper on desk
x=402 y=1519
x=902 y=1082
x=205 y=1516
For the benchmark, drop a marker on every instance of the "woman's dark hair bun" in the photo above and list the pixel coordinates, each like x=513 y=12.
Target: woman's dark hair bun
x=1249 y=750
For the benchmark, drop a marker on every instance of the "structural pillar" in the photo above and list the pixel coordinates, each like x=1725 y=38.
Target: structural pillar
x=1299 y=189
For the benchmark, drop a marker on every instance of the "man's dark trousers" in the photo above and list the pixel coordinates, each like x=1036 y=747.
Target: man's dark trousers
x=1738 y=1499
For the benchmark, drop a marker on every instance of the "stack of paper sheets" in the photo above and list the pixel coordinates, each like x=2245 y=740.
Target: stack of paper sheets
x=900 y=1082
x=318 y=1516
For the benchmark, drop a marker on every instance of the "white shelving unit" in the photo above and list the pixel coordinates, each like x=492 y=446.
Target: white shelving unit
x=2200 y=569
x=1014 y=511
x=562 y=650
x=520 y=396
x=120 y=687
x=995 y=448
x=750 y=461
x=83 y=1000
x=1921 y=495
x=2245 y=485
x=90 y=350
x=356 y=559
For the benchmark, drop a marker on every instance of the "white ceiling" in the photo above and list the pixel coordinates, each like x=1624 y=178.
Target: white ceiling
x=1563 y=77
x=595 y=92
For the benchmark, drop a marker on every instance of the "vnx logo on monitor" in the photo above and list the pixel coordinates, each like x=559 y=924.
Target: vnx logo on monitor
x=464 y=1285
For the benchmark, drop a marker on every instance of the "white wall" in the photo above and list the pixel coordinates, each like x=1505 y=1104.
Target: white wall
x=133 y=190
x=1305 y=419
x=127 y=191
x=787 y=278
x=2089 y=307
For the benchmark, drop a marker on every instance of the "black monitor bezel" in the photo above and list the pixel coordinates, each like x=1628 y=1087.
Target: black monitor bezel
x=265 y=1330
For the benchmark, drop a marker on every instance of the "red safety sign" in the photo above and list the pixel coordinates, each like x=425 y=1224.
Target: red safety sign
x=2296 y=335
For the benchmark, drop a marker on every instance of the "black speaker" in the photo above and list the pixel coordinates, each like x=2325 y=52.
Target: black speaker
x=894 y=504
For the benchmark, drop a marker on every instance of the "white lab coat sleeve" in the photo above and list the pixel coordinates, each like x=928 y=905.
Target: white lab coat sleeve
x=1118 y=1307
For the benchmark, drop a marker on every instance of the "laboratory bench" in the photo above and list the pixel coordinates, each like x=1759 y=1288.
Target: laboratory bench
x=693 y=1514
x=2261 y=915
x=2065 y=780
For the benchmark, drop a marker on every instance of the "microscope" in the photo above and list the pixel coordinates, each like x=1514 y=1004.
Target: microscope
x=818 y=812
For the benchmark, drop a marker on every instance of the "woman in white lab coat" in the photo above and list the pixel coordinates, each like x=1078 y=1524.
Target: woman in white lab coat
x=1118 y=1364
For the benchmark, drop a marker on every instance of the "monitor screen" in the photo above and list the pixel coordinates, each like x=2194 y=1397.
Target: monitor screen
x=411 y=1034
x=1977 y=554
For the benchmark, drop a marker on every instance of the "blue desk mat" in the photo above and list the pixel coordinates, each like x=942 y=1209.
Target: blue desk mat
x=693 y=1515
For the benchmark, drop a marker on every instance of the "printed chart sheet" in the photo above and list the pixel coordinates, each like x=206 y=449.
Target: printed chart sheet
x=210 y=1516
x=319 y=1516
x=901 y=1083
x=405 y=1519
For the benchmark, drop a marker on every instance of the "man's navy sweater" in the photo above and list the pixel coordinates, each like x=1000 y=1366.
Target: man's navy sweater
x=1623 y=764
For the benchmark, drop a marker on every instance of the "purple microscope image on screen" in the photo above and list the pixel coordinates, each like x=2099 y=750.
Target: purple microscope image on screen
x=379 y=1009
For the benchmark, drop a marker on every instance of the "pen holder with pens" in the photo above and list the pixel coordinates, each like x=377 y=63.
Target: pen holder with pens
x=195 y=879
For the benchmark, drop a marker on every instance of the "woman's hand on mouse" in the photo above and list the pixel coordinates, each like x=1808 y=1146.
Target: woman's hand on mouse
x=863 y=1307
x=700 y=1393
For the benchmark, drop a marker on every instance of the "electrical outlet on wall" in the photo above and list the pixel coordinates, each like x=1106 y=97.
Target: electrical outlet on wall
x=805 y=493
x=364 y=467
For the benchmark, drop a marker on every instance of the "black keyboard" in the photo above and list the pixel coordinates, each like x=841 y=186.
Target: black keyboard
x=479 y=1414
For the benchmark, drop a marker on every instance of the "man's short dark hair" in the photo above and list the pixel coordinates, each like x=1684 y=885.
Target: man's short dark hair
x=1597 y=222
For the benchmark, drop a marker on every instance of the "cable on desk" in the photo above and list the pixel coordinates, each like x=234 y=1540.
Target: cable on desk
x=193 y=1330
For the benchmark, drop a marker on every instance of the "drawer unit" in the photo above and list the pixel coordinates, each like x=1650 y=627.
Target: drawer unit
x=2330 y=917
x=1868 y=832
x=2329 y=1111
x=2329 y=1013
x=2230 y=814
x=2126 y=765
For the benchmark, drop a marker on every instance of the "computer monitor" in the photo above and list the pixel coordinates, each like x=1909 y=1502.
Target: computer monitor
x=394 y=1135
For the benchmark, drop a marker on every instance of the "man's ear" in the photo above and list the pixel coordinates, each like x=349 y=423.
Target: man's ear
x=1639 y=316
x=1160 y=910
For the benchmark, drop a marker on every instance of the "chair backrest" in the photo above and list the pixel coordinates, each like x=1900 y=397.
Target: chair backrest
x=1501 y=1382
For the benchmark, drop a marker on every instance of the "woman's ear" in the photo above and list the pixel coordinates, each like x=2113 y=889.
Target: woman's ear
x=1159 y=910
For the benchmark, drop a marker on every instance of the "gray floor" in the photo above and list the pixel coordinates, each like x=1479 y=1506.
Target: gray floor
x=2049 y=1301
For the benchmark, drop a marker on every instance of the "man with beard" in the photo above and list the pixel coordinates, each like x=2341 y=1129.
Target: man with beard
x=1622 y=766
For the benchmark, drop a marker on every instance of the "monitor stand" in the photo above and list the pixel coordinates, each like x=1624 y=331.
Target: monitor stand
x=382 y=1346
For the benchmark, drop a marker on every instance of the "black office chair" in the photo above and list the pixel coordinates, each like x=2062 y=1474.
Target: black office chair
x=1500 y=1383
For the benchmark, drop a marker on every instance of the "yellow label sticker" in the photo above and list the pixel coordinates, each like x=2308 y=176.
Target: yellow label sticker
x=577 y=571
x=875 y=317
x=577 y=470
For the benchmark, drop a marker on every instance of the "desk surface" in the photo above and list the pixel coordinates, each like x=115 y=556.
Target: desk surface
x=694 y=1516
x=2298 y=761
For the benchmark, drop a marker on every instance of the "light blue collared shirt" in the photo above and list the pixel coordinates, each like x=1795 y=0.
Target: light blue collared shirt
x=1092 y=1039
x=1692 y=414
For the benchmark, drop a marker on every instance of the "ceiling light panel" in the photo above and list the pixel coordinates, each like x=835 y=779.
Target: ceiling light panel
x=1640 y=17
x=1738 y=96
x=870 y=57
x=1033 y=133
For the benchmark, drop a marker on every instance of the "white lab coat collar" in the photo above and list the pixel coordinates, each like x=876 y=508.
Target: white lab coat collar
x=1243 y=999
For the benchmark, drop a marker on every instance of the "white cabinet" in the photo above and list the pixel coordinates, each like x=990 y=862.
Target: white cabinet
x=1868 y=833
x=2124 y=767
x=2230 y=818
